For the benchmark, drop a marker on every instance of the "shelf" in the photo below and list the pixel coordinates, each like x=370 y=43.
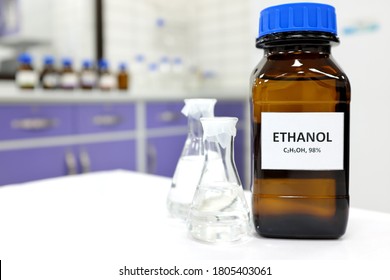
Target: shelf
x=14 y=95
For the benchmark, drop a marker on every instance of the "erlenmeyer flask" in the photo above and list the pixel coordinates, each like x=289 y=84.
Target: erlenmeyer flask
x=219 y=211
x=190 y=165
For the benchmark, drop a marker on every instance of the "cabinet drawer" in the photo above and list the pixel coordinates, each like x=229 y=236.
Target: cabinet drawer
x=25 y=165
x=108 y=156
x=165 y=114
x=105 y=118
x=163 y=154
x=30 y=121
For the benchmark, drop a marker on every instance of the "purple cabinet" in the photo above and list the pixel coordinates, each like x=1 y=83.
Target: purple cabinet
x=24 y=165
x=165 y=114
x=163 y=150
x=66 y=155
x=31 y=121
x=98 y=137
x=105 y=118
x=163 y=154
x=107 y=156
x=17 y=166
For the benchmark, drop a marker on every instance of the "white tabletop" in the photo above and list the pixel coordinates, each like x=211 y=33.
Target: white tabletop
x=121 y=215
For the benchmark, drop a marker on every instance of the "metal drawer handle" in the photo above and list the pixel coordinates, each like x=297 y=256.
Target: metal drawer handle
x=169 y=116
x=34 y=123
x=151 y=159
x=85 y=161
x=70 y=161
x=107 y=120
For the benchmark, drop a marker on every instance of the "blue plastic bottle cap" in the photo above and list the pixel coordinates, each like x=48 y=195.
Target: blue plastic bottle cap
x=48 y=60
x=123 y=66
x=87 y=63
x=177 y=60
x=164 y=59
x=103 y=64
x=66 y=62
x=153 y=67
x=139 y=58
x=298 y=17
x=25 y=58
x=160 y=22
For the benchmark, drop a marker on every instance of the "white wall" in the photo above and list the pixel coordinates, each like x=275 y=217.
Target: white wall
x=130 y=29
x=73 y=25
x=363 y=57
x=65 y=28
x=211 y=35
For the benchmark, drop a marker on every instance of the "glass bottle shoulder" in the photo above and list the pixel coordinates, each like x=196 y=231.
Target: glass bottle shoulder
x=299 y=67
x=300 y=78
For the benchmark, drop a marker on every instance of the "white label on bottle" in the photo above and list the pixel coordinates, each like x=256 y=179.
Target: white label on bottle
x=107 y=81
x=50 y=80
x=26 y=78
x=88 y=78
x=302 y=141
x=69 y=80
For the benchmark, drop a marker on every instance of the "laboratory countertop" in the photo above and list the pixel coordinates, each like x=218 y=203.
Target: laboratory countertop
x=9 y=94
x=121 y=215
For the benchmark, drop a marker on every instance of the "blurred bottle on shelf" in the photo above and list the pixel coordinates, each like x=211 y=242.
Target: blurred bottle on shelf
x=49 y=77
x=139 y=73
x=68 y=79
x=152 y=82
x=193 y=80
x=162 y=40
x=164 y=73
x=123 y=77
x=26 y=77
x=88 y=77
x=106 y=79
x=168 y=34
x=178 y=74
x=209 y=80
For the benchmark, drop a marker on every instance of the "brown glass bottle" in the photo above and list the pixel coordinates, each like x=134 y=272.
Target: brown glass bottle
x=88 y=75
x=299 y=75
x=68 y=78
x=49 y=76
x=123 y=78
x=25 y=77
